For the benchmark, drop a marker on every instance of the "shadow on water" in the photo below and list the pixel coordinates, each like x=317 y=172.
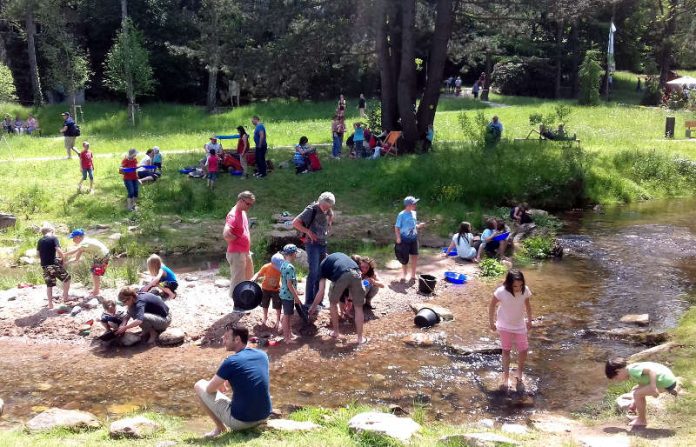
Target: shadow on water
x=634 y=259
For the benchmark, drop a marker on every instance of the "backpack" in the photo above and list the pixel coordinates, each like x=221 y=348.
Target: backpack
x=76 y=131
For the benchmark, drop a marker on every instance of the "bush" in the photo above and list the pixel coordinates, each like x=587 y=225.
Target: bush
x=539 y=247
x=524 y=77
x=8 y=92
x=491 y=268
x=590 y=74
x=652 y=95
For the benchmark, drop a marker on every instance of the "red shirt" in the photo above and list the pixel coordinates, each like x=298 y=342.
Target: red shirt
x=212 y=163
x=86 y=160
x=239 y=226
x=242 y=145
x=130 y=163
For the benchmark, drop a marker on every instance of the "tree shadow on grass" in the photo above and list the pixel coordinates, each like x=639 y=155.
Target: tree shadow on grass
x=644 y=432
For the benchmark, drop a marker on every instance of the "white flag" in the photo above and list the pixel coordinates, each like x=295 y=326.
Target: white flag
x=611 y=65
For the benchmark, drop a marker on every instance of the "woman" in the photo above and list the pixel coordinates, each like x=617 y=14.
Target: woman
x=300 y=157
x=371 y=284
x=463 y=241
x=338 y=128
x=146 y=310
x=520 y=214
x=243 y=147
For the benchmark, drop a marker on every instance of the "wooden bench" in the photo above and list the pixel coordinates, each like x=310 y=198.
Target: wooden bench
x=690 y=126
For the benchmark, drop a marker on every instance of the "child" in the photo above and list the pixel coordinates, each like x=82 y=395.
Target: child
x=111 y=319
x=300 y=156
x=52 y=263
x=211 y=165
x=489 y=244
x=130 y=177
x=406 y=230
x=358 y=138
x=98 y=252
x=87 y=166
x=513 y=298
x=162 y=276
x=271 y=290
x=652 y=378
x=157 y=158
x=288 y=291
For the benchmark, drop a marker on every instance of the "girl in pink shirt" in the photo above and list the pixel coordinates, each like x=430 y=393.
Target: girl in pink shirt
x=512 y=301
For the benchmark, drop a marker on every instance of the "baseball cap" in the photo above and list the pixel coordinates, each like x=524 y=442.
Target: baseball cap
x=277 y=261
x=66 y=113
x=410 y=200
x=289 y=249
x=77 y=232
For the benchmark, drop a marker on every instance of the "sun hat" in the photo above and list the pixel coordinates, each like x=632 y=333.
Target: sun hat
x=410 y=200
x=132 y=152
x=289 y=249
x=213 y=137
x=76 y=232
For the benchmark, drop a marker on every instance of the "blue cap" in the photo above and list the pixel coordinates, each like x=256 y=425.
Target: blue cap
x=77 y=232
x=289 y=249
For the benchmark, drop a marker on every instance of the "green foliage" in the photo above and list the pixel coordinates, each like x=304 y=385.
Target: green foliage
x=474 y=130
x=539 y=247
x=529 y=76
x=652 y=93
x=590 y=75
x=374 y=117
x=560 y=115
x=8 y=92
x=491 y=268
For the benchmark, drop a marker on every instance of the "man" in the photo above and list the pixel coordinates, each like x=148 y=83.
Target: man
x=95 y=250
x=314 y=223
x=344 y=274
x=495 y=129
x=146 y=310
x=236 y=233
x=246 y=371
x=261 y=146
x=69 y=133
x=213 y=145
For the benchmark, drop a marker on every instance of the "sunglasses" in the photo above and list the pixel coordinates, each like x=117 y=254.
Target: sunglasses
x=248 y=203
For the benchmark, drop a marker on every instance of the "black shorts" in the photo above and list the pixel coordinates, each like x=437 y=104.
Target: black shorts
x=171 y=285
x=672 y=387
x=288 y=307
x=269 y=295
x=405 y=249
x=492 y=247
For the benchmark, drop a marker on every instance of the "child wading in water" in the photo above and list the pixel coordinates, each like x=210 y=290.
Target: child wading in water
x=162 y=276
x=288 y=291
x=652 y=378
x=513 y=298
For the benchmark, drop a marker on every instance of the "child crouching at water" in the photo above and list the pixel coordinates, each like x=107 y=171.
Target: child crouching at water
x=512 y=301
x=111 y=319
x=652 y=379
x=162 y=276
x=288 y=290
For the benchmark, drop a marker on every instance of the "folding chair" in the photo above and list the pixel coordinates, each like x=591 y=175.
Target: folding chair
x=390 y=143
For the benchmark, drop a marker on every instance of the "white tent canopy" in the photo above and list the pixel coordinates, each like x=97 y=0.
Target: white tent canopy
x=684 y=80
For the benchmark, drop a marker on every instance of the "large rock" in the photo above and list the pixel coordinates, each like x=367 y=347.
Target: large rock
x=482 y=348
x=92 y=304
x=445 y=314
x=639 y=336
x=477 y=440
x=425 y=339
x=290 y=425
x=551 y=423
x=129 y=339
x=115 y=236
x=7 y=220
x=385 y=424
x=515 y=429
x=624 y=401
x=59 y=418
x=135 y=427
x=172 y=336
x=637 y=319
x=223 y=283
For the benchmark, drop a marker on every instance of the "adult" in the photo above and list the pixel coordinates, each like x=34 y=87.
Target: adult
x=475 y=89
x=247 y=373
x=213 y=145
x=520 y=214
x=7 y=124
x=300 y=157
x=314 y=223
x=494 y=130
x=463 y=241
x=458 y=86
x=18 y=125
x=128 y=169
x=69 y=132
x=368 y=273
x=32 y=124
x=341 y=103
x=243 y=148
x=344 y=274
x=97 y=252
x=236 y=233
x=261 y=146
x=338 y=128
x=145 y=170
x=362 y=104
x=145 y=310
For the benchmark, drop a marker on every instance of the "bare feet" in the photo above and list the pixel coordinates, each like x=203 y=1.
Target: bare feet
x=638 y=423
x=504 y=383
x=292 y=340
x=152 y=339
x=363 y=341
x=214 y=433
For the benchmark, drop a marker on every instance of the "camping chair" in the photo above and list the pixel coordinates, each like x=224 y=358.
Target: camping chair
x=389 y=147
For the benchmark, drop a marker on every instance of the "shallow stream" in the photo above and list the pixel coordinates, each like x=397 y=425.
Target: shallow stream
x=632 y=259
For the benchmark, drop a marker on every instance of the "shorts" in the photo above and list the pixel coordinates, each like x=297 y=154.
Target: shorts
x=212 y=176
x=53 y=272
x=99 y=266
x=672 y=387
x=351 y=281
x=69 y=142
x=288 y=307
x=171 y=285
x=405 y=249
x=219 y=404
x=145 y=174
x=508 y=338
x=87 y=172
x=491 y=247
x=269 y=295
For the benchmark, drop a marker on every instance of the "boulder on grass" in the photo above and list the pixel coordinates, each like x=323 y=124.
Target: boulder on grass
x=136 y=427
x=58 y=418
x=384 y=424
x=7 y=220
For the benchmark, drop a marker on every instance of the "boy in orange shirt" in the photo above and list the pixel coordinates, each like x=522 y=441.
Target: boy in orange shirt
x=271 y=290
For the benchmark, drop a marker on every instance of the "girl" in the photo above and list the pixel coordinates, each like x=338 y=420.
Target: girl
x=513 y=298
x=211 y=165
x=128 y=169
x=300 y=156
x=162 y=276
x=463 y=241
x=243 y=147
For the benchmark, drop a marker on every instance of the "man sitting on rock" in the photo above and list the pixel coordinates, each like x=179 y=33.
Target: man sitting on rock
x=246 y=372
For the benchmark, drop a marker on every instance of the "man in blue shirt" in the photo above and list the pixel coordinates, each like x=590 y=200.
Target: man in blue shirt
x=246 y=372
x=495 y=129
x=261 y=146
x=68 y=131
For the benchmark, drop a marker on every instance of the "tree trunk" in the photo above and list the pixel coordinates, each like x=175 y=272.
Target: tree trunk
x=33 y=64
x=436 y=67
x=559 y=59
x=406 y=95
x=212 y=88
x=575 y=59
x=667 y=48
x=388 y=50
x=124 y=10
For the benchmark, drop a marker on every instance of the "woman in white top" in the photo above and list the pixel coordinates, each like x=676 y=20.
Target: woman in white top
x=463 y=241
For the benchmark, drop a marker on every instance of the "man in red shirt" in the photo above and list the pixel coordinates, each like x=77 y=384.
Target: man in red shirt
x=236 y=233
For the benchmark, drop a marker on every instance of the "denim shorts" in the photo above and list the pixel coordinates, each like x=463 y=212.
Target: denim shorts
x=288 y=307
x=212 y=176
x=87 y=172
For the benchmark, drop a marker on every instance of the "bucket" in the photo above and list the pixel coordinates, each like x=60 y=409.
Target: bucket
x=426 y=317
x=246 y=295
x=426 y=284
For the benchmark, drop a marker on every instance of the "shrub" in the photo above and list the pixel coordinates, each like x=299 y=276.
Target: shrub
x=531 y=76
x=374 y=117
x=491 y=268
x=539 y=247
x=652 y=95
x=590 y=74
x=8 y=92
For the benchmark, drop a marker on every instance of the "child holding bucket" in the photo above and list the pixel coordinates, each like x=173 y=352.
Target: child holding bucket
x=288 y=291
x=162 y=276
x=512 y=301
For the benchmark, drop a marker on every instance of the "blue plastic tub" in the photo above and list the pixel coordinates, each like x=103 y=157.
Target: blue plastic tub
x=237 y=173
x=185 y=171
x=150 y=168
x=455 y=278
x=501 y=237
x=127 y=169
x=452 y=253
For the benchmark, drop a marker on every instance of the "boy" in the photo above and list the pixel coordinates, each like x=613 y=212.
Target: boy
x=271 y=290
x=87 y=165
x=52 y=263
x=406 y=231
x=211 y=165
x=288 y=290
x=157 y=158
x=98 y=253
x=652 y=378
x=111 y=319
